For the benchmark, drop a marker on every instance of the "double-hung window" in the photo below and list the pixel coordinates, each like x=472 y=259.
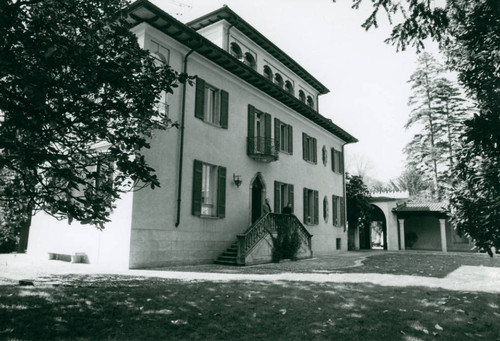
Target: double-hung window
x=209 y=190
x=311 y=210
x=309 y=148
x=337 y=161
x=211 y=104
x=283 y=134
x=259 y=132
x=338 y=211
x=283 y=196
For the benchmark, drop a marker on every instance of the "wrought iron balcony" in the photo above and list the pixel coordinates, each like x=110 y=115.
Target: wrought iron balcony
x=262 y=149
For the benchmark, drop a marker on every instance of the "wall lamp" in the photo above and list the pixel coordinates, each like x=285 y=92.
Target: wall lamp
x=237 y=180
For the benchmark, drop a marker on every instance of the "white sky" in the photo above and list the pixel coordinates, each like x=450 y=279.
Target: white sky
x=366 y=77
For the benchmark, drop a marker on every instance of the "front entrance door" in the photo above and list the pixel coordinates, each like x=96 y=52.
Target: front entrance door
x=257 y=200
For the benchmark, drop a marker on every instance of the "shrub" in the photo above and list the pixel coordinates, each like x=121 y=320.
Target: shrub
x=286 y=244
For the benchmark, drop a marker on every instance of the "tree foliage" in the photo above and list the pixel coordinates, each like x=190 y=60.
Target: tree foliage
x=357 y=199
x=438 y=110
x=78 y=98
x=413 y=181
x=468 y=32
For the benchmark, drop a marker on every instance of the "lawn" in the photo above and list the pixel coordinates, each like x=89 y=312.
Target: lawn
x=399 y=263
x=123 y=308
x=111 y=307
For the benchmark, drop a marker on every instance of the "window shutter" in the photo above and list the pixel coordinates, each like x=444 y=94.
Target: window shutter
x=333 y=159
x=341 y=160
x=221 y=193
x=306 y=206
x=316 y=208
x=277 y=196
x=304 y=146
x=334 y=210
x=277 y=135
x=199 y=110
x=315 y=151
x=224 y=108
x=267 y=133
x=197 y=183
x=290 y=139
x=342 y=211
x=250 y=131
x=290 y=197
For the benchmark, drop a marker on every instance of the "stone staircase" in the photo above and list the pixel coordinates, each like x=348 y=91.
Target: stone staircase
x=229 y=257
x=246 y=248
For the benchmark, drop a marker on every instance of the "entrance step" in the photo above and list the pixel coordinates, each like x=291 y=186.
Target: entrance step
x=229 y=256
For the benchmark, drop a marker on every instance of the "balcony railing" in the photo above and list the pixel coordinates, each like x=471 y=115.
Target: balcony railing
x=262 y=149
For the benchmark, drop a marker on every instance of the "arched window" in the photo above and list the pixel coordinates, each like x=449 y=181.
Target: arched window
x=268 y=72
x=278 y=80
x=250 y=60
x=310 y=101
x=302 y=96
x=236 y=50
x=289 y=87
x=160 y=53
x=160 y=59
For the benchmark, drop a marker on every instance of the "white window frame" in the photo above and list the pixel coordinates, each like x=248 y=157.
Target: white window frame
x=209 y=187
x=212 y=105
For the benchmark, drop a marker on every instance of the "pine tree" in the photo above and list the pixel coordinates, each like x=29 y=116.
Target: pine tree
x=424 y=102
x=439 y=110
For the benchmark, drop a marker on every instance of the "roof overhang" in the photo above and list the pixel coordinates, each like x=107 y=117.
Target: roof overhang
x=143 y=11
x=225 y=13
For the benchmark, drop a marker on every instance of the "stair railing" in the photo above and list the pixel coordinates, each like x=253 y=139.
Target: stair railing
x=269 y=224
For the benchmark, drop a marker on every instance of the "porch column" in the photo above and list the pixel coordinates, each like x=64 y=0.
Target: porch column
x=401 y=234
x=442 y=225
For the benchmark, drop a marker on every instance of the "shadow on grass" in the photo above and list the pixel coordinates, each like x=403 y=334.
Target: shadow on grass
x=125 y=308
x=395 y=263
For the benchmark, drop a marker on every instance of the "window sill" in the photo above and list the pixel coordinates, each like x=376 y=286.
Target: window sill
x=211 y=124
x=210 y=217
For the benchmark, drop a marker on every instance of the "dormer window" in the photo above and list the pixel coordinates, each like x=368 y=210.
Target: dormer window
x=236 y=51
x=278 y=80
x=310 y=101
x=250 y=60
x=302 y=96
x=289 y=87
x=268 y=73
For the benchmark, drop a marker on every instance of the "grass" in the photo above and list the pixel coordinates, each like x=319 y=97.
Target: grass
x=121 y=308
x=110 y=307
x=408 y=263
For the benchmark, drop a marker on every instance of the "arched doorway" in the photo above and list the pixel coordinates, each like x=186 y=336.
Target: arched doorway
x=258 y=193
x=378 y=229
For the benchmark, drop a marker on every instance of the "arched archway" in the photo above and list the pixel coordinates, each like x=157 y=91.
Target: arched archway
x=258 y=195
x=378 y=229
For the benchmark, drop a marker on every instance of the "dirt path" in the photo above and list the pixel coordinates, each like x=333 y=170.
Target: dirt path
x=466 y=278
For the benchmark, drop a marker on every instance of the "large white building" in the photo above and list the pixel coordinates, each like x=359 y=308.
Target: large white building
x=249 y=130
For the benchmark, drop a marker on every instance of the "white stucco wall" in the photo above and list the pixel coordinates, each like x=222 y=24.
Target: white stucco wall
x=391 y=223
x=155 y=239
x=222 y=34
x=109 y=247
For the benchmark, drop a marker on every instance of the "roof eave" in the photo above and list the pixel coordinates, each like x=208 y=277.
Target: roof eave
x=193 y=40
x=225 y=13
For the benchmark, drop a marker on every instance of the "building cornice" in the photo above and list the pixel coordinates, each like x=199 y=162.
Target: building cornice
x=225 y=13
x=143 y=11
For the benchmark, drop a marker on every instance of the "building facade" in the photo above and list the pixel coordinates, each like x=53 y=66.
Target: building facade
x=249 y=130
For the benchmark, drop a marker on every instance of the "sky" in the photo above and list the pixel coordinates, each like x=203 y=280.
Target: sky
x=366 y=77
